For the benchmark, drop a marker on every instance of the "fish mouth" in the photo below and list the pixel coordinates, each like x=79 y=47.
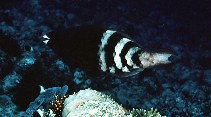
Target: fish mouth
x=163 y=58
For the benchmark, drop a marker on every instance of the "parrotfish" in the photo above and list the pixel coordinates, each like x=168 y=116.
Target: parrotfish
x=97 y=49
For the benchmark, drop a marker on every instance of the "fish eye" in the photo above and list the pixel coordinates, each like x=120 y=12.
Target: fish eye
x=28 y=48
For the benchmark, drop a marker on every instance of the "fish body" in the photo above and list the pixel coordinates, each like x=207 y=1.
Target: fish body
x=97 y=49
x=9 y=45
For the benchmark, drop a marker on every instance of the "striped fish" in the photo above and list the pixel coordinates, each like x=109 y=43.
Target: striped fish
x=97 y=49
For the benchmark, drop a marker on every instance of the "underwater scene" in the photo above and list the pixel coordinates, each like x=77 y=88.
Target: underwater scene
x=105 y=58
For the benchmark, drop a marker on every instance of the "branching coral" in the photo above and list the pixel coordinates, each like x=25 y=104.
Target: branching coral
x=143 y=113
x=57 y=105
x=55 y=108
x=42 y=102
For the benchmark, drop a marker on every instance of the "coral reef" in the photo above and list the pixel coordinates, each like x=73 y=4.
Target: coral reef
x=179 y=89
x=45 y=100
x=88 y=103
x=143 y=113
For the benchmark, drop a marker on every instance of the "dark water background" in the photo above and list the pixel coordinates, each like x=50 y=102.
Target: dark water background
x=183 y=26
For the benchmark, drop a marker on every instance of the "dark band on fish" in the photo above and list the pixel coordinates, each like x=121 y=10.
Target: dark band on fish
x=125 y=51
x=135 y=58
x=110 y=49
